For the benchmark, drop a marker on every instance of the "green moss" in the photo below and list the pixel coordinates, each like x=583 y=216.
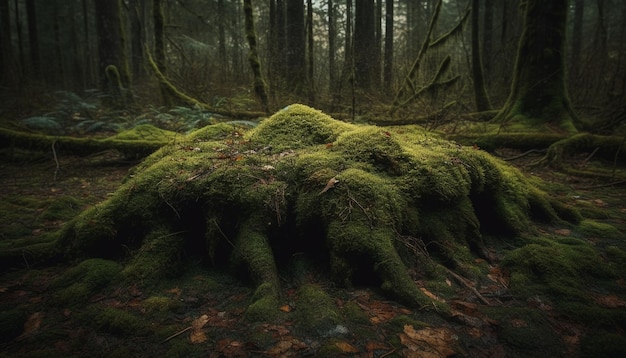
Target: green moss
x=146 y=132
x=79 y=283
x=302 y=181
x=159 y=257
x=317 y=311
x=555 y=267
x=157 y=304
x=354 y=314
x=527 y=332
x=603 y=344
x=594 y=229
x=297 y=126
x=265 y=305
x=116 y=321
x=63 y=208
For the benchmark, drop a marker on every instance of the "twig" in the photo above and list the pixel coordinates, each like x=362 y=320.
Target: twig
x=464 y=282
x=176 y=334
x=589 y=157
x=525 y=154
x=56 y=160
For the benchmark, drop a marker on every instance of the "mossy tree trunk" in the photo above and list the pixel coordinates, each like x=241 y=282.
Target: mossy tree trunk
x=480 y=93
x=159 y=46
x=538 y=92
x=253 y=56
x=111 y=49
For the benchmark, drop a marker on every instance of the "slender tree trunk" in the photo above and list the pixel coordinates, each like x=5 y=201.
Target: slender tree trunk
x=364 y=44
x=6 y=46
x=296 y=47
x=221 y=35
x=113 y=66
x=538 y=92
x=389 y=33
x=331 y=45
x=487 y=50
x=480 y=93
x=33 y=38
x=137 y=12
x=310 y=53
x=253 y=56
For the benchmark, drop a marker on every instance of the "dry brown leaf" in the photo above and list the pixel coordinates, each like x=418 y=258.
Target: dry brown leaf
x=346 y=347
x=32 y=325
x=610 y=301
x=431 y=295
x=428 y=342
x=200 y=322
x=285 y=308
x=375 y=346
x=197 y=337
x=331 y=183
x=518 y=323
x=280 y=348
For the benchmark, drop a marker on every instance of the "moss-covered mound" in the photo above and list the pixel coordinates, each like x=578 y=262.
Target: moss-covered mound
x=364 y=202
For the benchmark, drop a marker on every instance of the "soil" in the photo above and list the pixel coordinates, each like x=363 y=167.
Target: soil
x=202 y=313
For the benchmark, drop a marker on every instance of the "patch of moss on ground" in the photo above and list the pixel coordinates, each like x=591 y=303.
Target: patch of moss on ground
x=603 y=344
x=116 y=321
x=146 y=132
x=79 y=283
x=527 y=332
x=317 y=312
x=558 y=268
x=593 y=229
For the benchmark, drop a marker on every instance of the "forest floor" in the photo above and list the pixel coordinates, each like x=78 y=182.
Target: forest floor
x=202 y=312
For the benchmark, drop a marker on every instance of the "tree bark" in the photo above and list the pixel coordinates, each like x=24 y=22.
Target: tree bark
x=253 y=56
x=538 y=93
x=295 y=51
x=480 y=93
x=364 y=44
x=389 y=33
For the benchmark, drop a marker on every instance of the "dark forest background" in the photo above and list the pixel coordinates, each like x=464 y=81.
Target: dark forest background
x=342 y=56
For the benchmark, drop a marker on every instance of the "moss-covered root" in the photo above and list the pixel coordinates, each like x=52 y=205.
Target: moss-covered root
x=254 y=252
x=356 y=241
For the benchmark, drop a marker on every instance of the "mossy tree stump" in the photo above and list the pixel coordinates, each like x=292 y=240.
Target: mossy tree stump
x=352 y=197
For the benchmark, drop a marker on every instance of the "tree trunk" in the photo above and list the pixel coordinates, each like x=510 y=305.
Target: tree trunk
x=487 y=50
x=6 y=46
x=480 y=93
x=253 y=56
x=364 y=44
x=332 y=32
x=538 y=92
x=33 y=38
x=310 y=53
x=577 y=38
x=296 y=48
x=137 y=12
x=113 y=67
x=388 y=63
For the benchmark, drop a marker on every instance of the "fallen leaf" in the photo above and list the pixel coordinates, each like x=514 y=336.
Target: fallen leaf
x=428 y=342
x=285 y=308
x=197 y=335
x=280 y=348
x=346 y=347
x=200 y=322
x=331 y=183
x=563 y=232
x=32 y=325
x=518 y=323
x=610 y=301
x=431 y=295
x=375 y=346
